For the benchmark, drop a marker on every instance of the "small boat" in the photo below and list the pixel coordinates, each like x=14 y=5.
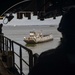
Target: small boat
x=37 y=37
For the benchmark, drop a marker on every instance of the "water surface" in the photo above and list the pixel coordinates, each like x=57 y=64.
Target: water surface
x=17 y=33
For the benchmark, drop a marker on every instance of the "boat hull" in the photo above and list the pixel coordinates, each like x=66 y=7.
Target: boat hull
x=30 y=41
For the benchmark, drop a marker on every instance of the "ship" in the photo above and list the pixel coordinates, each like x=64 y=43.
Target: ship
x=37 y=37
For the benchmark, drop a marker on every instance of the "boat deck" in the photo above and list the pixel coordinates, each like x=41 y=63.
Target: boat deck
x=3 y=68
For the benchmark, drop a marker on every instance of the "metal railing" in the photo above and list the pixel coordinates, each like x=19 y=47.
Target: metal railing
x=18 y=54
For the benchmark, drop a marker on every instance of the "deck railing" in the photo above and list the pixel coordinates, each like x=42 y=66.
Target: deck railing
x=21 y=53
x=18 y=55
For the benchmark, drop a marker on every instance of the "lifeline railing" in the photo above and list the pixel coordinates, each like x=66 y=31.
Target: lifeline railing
x=19 y=54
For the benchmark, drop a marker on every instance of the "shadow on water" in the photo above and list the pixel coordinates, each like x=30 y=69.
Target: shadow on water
x=30 y=45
